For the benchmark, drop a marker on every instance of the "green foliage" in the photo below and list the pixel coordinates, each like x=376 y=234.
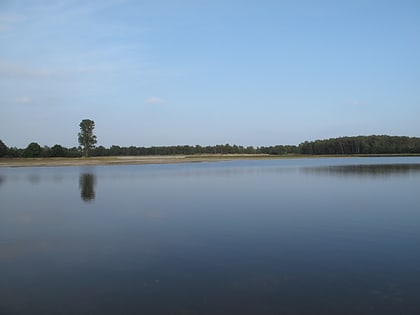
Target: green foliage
x=279 y=150
x=362 y=145
x=73 y=152
x=35 y=150
x=4 y=150
x=15 y=152
x=87 y=139
x=99 y=151
x=116 y=150
x=32 y=150
x=334 y=146
x=57 y=151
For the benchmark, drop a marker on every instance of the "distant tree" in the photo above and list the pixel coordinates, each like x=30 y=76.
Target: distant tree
x=100 y=151
x=14 y=152
x=4 y=150
x=57 y=151
x=73 y=152
x=32 y=150
x=87 y=139
x=46 y=151
x=115 y=150
x=132 y=150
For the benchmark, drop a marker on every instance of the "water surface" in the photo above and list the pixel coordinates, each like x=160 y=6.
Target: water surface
x=305 y=236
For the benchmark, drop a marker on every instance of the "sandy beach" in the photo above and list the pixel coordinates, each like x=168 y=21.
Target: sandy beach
x=126 y=160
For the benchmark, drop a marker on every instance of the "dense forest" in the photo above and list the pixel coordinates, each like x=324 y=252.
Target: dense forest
x=335 y=146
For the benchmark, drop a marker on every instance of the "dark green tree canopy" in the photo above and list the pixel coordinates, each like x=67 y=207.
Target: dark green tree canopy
x=4 y=150
x=87 y=139
x=32 y=150
x=57 y=150
x=375 y=144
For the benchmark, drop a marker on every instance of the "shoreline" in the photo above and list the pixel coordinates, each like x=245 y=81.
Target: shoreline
x=124 y=160
x=165 y=159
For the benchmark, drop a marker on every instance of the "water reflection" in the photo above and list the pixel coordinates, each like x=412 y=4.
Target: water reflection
x=363 y=170
x=34 y=179
x=273 y=237
x=87 y=182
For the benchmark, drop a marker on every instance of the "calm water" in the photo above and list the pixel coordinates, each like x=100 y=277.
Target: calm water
x=313 y=236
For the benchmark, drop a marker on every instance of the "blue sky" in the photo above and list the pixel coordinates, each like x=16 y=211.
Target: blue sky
x=208 y=72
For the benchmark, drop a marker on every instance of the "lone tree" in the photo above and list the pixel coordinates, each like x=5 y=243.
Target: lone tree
x=86 y=137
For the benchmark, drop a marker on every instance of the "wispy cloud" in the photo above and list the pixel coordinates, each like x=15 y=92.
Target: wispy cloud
x=153 y=100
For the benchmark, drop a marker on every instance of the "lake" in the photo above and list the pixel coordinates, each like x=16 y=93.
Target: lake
x=298 y=236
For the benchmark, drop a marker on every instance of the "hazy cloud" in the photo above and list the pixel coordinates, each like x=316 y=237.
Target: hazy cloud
x=153 y=100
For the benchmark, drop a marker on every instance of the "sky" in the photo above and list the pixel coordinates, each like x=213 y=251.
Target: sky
x=153 y=73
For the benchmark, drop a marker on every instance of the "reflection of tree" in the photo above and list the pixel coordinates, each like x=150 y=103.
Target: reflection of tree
x=2 y=179
x=87 y=183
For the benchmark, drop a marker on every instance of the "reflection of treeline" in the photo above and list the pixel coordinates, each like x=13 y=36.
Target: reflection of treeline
x=361 y=170
x=336 y=146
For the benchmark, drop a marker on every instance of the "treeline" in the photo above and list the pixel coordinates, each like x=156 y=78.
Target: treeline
x=189 y=150
x=334 y=146
x=35 y=150
x=362 y=145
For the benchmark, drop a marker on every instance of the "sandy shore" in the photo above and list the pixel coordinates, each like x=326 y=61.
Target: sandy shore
x=166 y=159
x=126 y=160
